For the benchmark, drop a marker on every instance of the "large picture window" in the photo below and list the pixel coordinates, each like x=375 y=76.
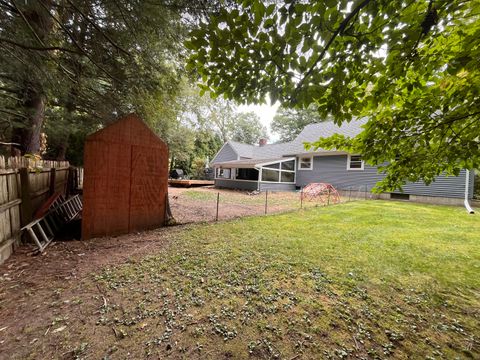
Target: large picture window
x=280 y=172
x=270 y=175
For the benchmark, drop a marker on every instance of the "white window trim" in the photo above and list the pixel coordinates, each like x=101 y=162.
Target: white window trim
x=349 y=158
x=300 y=162
x=279 y=177
x=222 y=178
x=260 y=167
x=232 y=173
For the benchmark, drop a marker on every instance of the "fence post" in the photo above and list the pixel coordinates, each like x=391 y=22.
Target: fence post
x=26 y=207
x=365 y=192
x=70 y=183
x=53 y=181
x=328 y=197
x=218 y=200
x=349 y=193
x=301 y=198
x=266 y=201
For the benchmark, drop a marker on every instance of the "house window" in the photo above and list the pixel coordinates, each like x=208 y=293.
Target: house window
x=287 y=177
x=223 y=173
x=282 y=171
x=305 y=163
x=273 y=166
x=355 y=162
x=270 y=175
x=288 y=165
x=246 y=174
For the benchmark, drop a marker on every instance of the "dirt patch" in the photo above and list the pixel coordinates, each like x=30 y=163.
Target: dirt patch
x=34 y=288
x=200 y=204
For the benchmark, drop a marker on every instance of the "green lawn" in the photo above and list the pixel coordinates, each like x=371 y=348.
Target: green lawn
x=368 y=279
x=283 y=198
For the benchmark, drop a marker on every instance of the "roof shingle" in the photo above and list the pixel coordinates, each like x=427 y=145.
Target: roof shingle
x=310 y=133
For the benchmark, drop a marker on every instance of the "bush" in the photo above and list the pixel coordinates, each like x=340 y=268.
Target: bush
x=198 y=169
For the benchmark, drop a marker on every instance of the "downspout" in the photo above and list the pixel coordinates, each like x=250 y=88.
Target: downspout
x=466 y=203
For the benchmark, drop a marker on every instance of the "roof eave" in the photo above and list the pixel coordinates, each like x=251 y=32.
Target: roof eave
x=322 y=153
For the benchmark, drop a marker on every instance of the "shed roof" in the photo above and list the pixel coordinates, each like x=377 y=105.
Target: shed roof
x=129 y=129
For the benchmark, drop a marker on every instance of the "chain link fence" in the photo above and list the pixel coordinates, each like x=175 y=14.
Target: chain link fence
x=210 y=204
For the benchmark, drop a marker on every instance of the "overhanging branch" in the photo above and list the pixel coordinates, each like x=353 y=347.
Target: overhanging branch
x=36 y=48
x=337 y=32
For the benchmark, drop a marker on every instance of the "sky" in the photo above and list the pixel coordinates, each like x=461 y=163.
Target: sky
x=266 y=112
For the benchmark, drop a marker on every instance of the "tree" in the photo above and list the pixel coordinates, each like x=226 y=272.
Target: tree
x=218 y=115
x=180 y=145
x=247 y=128
x=89 y=59
x=288 y=123
x=412 y=67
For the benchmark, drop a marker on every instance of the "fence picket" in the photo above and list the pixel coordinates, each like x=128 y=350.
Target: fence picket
x=41 y=184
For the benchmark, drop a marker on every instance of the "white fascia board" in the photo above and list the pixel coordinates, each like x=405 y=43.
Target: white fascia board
x=322 y=153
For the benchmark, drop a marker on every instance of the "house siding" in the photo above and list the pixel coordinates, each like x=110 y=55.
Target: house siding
x=471 y=184
x=443 y=186
x=277 y=187
x=236 y=184
x=333 y=170
x=226 y=153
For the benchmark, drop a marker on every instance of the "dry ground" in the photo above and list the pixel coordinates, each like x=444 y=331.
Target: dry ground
x=36 y=291
x=200 y=203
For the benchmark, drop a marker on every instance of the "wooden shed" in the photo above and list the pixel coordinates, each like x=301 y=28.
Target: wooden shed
x=125 y=179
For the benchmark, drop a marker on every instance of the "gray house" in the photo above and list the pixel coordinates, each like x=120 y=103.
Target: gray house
x=288 y=166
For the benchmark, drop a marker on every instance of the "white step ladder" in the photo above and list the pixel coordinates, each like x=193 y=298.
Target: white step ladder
x=42 y=230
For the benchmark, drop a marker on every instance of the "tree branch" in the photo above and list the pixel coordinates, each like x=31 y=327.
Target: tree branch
x=75 y=42
x=9 y=143
x=36 y=48
x=337 y=32
x=13 y=113
x=25 y=20
x=99 y=29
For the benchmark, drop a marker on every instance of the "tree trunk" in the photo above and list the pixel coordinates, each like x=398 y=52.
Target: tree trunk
x=28 y=135
x=35 y=105
x=62 y=149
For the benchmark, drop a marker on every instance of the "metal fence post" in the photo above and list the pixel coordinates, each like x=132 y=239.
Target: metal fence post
x=266 y=201
x=349 y=194
x=366 y=192
x=218 y=200
x=328 y=198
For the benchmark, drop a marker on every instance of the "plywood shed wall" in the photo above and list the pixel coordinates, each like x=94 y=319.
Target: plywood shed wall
x=125 y=180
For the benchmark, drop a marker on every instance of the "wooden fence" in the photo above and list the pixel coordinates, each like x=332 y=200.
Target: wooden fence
x=25 y=184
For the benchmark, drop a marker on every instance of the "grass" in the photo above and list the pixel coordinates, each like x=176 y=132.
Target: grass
x=368 y=279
